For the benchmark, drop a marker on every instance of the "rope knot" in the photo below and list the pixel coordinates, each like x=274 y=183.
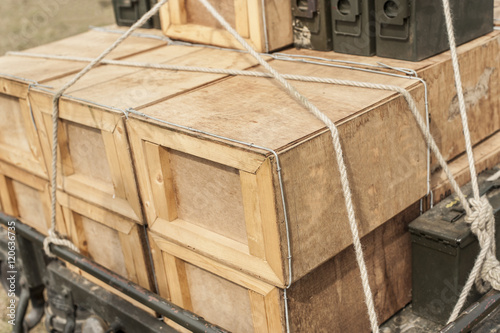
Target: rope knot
x=53 y=238
x=482 y=223
x=481 y=213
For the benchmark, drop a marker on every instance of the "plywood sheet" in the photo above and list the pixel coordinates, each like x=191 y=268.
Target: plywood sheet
x=104 y=245
x=230 y=309
x=30 y=206
x=12 y=130
x=209 y=195
x=88 y=154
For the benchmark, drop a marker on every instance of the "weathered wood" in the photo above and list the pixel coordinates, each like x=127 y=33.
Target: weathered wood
x=94 y=157
x=328 y=299
x=479 y=66
x=188 y=20
x=379 y=143
x=27 y=197
x=109 y=239
x=19 y=142
x=94 y=153
x=88 y=44
x=486 y=155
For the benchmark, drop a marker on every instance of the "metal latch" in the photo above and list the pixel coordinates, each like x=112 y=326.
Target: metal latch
x=304 y=8
x=347 y=17
x=392 y=18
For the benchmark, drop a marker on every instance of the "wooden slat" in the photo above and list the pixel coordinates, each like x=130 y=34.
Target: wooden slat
x=211 y=265
x=268 y=212
x=211 y=150
x=159 y=270
x=241 y=18
x=259 y=316
x=8 y=197
x=177 y=282
x=161 y=181
x=127 y=169
x=253 y=218
x=95 y=213
x=274 y=310
x=255 y=23
x=114 y=164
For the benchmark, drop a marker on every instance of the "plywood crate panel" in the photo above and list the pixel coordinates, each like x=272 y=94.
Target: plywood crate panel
x=27 y=197
x=19 y=142
x=328 y=299
x=189 y=20
x=480 y=70
x=222 y=199
x=107 y=238
x=95 y=161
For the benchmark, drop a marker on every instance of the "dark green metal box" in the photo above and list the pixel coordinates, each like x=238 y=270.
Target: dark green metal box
x=127 y=12
x=415 y=29
x=353 y=23
x=312 y=25
x=443 y=253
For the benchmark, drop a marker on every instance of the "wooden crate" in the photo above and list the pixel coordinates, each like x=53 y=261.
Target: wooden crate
x=19 y=142
x=486 y=156
x=497 y=12
x=95 y=162
x=27 y=197
x=329 y=299
x=188 y=20
x=480 y=70
x=93 y=156
x=107 y=238
x=222 y=199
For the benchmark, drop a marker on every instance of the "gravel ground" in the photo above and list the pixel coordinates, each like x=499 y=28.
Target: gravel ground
x=29 y=23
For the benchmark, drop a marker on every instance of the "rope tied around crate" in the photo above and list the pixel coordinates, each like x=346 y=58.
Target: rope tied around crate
x=479 y=215
x=486 y=270
x=53 y=237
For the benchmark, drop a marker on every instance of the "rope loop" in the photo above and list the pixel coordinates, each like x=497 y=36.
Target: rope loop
x=482 y=224
x=53 y=238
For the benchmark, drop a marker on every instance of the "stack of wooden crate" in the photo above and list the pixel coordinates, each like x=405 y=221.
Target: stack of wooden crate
x=196 y=173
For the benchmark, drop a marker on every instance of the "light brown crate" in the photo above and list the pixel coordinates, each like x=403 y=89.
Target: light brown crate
x=188 y=20
x=107 y=238
x=27 y=197
x=480 y=71
x=95 y=161
x=329 y=299
x=222 y=199
x=19 y=142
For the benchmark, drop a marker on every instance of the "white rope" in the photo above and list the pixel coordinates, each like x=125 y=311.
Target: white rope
x=486 y=270
x=478 y=216
x=53 y=238
x=409 y=99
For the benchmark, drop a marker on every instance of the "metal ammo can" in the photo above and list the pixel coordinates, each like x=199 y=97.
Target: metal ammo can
x=353 y=23
x=415 y=29
x=127 y=12
x=444 y=250
x=312 y=26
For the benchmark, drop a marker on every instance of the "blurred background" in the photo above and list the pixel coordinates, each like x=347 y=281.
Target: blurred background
x=29 y=23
